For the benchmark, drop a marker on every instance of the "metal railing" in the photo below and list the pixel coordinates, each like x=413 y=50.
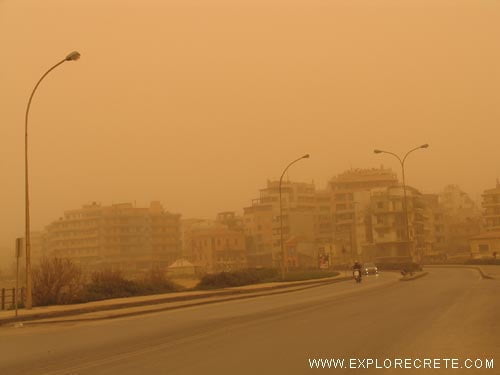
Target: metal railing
x=8 y=298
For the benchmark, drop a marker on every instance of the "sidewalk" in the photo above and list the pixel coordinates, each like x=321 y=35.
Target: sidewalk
x=158 y=302
x=486 y=271
x=492 y=271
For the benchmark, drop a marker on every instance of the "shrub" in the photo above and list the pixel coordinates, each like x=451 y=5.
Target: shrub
x=157 y=282
x=238 y=278
x=110 y=284
x=57 y=281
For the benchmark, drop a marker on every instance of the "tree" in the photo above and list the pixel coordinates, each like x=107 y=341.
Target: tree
x=57 y=281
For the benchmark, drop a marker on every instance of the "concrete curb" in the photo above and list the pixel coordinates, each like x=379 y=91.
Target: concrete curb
x=483 y=274
x=238 y=293
x=414 y=277
x=113 y=315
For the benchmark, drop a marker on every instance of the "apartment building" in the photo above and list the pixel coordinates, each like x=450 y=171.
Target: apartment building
x=362 y=179
x=351 y=201
x=491 y=209
x=439 y=227
x=121 y=236
x=215 y=245
x=462 y=219
x=218 y=248
x=38 y=246
x=458 y=205
x=487 y=243
x=188 y=228
x=390 y=242
x=306 y=218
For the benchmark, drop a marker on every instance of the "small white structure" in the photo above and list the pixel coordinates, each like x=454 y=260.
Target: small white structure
x=181 y=268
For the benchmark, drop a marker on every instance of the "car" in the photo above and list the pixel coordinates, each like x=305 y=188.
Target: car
x=369 y=269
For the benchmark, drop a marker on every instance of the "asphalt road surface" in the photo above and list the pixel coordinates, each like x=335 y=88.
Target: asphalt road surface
x=448 y=314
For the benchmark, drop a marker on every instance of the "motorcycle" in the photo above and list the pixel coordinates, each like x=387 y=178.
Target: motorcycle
x=357 y=275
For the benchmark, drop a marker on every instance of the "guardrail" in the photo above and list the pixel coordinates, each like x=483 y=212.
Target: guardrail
x=8 y=298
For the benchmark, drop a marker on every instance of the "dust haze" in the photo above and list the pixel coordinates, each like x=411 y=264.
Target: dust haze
x=198 y=104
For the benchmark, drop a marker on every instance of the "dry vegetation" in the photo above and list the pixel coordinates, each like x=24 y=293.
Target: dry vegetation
x=59 y=281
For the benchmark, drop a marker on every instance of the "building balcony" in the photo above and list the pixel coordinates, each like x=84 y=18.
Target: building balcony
x=382 y=225
x=491 y=215
x=485 y=204
x=344 y=222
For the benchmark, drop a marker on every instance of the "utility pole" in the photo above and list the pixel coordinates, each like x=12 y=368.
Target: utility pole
x=73 y=56
x=283 y=253
x=19 y=252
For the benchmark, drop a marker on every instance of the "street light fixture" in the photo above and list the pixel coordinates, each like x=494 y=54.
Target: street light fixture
x=73 y=56
x=306 y=156
x=402 y=162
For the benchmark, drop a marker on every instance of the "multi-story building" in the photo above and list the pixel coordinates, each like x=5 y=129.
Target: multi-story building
x=259 y=223
x=438 y=225
x=188 y=228
x=323 y=218
x=38 y=246
x=120 y=236
x=360 y=179
x=462 y=219
x=215 y=245
x=491 y=209
x=487 y=244
x=306 y=217
x=460 y=232
x=231 y=220
x=351 y=196
x=218 y=248
x=457 y=204
x=390 y=238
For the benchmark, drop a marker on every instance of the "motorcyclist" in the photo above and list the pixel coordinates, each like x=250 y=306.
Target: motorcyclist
x=357 y=266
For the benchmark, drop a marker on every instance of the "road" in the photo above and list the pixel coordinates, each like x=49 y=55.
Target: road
x=450 y=313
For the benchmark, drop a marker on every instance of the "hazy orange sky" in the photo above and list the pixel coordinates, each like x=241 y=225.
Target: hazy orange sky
x=197 y=103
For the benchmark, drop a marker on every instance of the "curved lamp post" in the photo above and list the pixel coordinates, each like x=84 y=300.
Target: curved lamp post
x=306 y=156
x=73 y=56
x=402 y=162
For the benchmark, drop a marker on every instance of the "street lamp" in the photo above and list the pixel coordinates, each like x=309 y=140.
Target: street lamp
x=306 y=156
x=73 y=56
x=402 y=162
